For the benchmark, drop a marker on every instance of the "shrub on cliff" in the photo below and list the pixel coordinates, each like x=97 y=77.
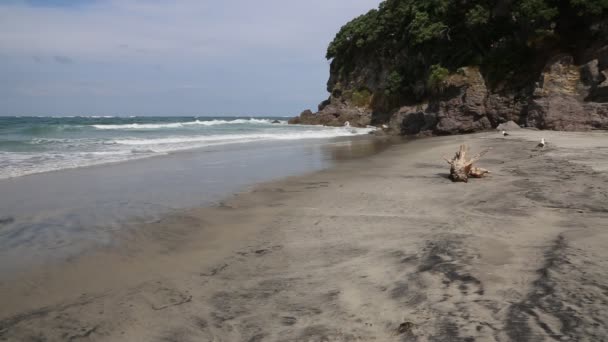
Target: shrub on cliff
x=437 y=77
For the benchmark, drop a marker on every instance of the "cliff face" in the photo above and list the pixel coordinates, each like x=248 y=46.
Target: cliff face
x=567 y=96
x=560 y=80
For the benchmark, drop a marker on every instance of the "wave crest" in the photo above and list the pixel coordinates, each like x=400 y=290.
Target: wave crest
x=134 y=126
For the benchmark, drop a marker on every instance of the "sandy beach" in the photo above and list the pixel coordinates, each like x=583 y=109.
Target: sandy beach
x=380 y=248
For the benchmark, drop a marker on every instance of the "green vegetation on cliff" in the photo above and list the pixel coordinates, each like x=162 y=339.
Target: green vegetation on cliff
x=420 y=41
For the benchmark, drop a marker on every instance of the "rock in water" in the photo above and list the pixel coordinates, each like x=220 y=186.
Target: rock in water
x=335 y=113
x=306 y=117
x=6 y=220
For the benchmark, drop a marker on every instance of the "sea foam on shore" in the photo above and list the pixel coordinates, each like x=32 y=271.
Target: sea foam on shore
x=38 y=144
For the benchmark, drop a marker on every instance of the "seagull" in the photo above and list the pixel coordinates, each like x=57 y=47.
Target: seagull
x=542 y=143
x=504 y=133
x=349 y=128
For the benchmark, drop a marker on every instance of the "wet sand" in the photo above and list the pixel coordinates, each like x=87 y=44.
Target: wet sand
x=383 y=248
x=57 y=215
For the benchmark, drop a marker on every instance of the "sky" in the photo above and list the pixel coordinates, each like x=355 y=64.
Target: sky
x=167 y=57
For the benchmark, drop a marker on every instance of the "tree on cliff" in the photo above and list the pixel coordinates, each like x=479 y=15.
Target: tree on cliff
x=419 y=39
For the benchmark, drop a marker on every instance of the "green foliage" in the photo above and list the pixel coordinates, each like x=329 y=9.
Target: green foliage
x=437 y=77
x=477 y=16
x=534 y=10
x=590 y=6
x=422 y=28
x=361 y=98
x=394 y=82
x=412 y=36
x=357 y=34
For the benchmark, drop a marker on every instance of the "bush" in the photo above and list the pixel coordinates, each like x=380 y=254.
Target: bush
x=437 y=77
x=393 y=83
x=361 y=98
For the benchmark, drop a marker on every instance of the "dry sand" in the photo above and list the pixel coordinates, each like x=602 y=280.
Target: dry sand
x=383 y=248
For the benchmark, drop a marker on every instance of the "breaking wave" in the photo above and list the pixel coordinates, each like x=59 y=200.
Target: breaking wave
x=135 y=126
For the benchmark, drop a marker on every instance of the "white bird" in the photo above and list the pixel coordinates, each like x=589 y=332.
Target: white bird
x=346 y=124
x=504 y=133
x=542 y=143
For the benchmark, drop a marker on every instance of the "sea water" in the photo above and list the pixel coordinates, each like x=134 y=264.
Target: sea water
x=39 y=144
x=67 y=185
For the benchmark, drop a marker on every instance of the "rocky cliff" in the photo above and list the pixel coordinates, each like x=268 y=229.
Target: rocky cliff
x=556 y=79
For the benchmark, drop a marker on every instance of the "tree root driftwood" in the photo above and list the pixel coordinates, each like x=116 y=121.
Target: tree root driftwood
x=461 y=168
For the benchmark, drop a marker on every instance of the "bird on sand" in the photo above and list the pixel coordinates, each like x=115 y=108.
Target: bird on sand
x=542 y=143
x=504 y=133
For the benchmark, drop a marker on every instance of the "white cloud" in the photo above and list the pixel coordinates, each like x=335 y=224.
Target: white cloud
x=184 y=39
x=184 y=30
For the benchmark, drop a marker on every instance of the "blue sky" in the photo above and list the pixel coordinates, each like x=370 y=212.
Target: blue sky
x=167 y=57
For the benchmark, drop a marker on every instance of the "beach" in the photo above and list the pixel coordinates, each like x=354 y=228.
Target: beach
x=378 y=248
x=69 y=184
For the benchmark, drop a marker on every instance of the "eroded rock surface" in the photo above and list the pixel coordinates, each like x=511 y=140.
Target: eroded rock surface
x=568 y=95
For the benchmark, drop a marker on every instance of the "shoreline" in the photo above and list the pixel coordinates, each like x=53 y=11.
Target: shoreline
x=353 y=252
x=98 y=201
x=199 y=149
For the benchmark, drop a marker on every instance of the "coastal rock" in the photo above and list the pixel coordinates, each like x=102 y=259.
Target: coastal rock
x=505 y=107
x=560 y=77
x=411 y=120
x=306 y=115
x=335 y=113
x=5 y=220
x=508 y=126
x=551 y=74
x=569 y=94
x=370 y=72
x=461 y=106
x=566 y=97
x=560 y=98
x=324 y=104
x=557 y=113
x=600 y=92
x=590 y=73
x=595 y=76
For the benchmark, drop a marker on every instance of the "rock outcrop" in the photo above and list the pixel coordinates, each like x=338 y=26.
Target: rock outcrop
x=566 y=96
x=508 y=126
x=563 y=97
x=460 y=107
x=334 y=112
x=469 y=66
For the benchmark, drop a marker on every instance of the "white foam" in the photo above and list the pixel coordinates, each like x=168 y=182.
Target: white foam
x=236 y=138
x=185 y=124
x=14 y=164
x=21 y=164
x=139 y=126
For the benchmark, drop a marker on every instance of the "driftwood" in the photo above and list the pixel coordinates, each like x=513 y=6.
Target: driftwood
x=461 y=168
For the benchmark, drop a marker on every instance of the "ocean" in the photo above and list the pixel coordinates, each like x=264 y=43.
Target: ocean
x=71 y=184
x=31 y=145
